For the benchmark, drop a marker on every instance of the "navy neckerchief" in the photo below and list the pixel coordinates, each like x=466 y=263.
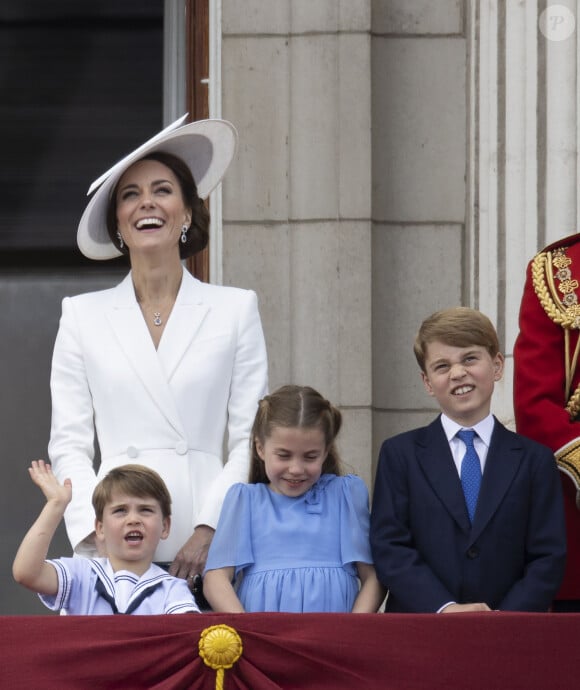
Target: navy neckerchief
x=102 y=591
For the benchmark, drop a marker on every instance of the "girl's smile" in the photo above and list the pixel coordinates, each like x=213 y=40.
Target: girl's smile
x=293 y=458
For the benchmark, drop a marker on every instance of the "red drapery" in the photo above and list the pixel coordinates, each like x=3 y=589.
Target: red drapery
x=308 y=651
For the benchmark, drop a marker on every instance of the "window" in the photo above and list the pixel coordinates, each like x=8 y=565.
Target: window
x=82 y=84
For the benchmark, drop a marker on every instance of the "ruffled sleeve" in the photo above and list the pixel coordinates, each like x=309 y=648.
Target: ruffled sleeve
x=354 y=521
x=231 y=545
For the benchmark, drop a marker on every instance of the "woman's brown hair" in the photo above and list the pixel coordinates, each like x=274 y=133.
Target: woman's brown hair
x=198 y=233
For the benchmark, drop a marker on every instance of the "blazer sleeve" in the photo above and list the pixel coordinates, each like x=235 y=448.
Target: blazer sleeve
x=249 y=383
x=398 y=563
x=545 y=547
x=71 y=447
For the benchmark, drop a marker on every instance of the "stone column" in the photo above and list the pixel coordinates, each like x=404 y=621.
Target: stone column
x=297 y=201
x=523 y=158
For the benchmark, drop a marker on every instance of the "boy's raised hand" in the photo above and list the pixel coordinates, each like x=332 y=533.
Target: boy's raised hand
x=30 y=567
x=41 y=474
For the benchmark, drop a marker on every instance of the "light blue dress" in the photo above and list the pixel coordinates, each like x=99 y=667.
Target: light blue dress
x=294 y=554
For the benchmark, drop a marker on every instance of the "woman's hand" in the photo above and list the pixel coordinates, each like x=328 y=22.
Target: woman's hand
x=190 y=559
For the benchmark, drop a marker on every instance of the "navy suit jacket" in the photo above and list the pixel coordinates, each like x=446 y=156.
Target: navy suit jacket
x=427 y=553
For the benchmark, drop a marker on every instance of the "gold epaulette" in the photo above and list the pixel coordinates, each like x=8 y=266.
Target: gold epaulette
x=569 y=462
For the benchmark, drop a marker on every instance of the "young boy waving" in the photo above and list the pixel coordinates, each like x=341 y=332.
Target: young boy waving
x=133 y=512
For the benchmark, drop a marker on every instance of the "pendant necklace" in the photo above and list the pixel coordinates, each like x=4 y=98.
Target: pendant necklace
x=163 y=306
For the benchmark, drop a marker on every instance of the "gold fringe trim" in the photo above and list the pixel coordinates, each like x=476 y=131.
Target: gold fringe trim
x=565 y=313
x=565 y=316
x=573 y=406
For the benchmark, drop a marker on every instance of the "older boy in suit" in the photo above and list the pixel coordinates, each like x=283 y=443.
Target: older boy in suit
x=466 y=515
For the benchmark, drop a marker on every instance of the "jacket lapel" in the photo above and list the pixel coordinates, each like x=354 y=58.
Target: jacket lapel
x=434 y=456
x=183 y=325
x=503 y=461
x=134 y=339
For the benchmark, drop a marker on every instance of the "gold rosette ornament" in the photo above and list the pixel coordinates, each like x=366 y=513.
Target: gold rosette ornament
x=220 y=647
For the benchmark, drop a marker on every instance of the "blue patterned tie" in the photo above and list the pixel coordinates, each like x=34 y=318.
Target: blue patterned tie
x=470 y=471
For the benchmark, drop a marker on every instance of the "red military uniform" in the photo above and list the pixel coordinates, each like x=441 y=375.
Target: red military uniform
x=547 y=378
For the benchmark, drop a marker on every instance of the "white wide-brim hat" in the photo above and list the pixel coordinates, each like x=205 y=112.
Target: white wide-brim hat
x=207 y=147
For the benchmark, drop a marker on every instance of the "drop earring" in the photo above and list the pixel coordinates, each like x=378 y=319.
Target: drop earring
x=184 y=230
x=120 y=238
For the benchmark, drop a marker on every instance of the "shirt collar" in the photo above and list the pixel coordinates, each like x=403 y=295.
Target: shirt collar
x=104 y=571
x=483 y=429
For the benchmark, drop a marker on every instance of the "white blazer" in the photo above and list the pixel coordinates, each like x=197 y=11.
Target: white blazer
x=167 y=408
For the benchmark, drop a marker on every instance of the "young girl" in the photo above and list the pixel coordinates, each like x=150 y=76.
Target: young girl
x=295 y=538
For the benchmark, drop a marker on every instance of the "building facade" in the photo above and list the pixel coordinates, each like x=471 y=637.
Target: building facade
x=395 y=157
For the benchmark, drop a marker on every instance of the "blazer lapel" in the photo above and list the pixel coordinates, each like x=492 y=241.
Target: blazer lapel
x=135 y=341
x=434 y=456
x=503 y=461
x=183 y=325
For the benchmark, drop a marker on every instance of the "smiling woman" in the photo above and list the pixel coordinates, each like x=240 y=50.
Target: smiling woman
x=152 y=219
x=161 y=366
x=166 y=179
